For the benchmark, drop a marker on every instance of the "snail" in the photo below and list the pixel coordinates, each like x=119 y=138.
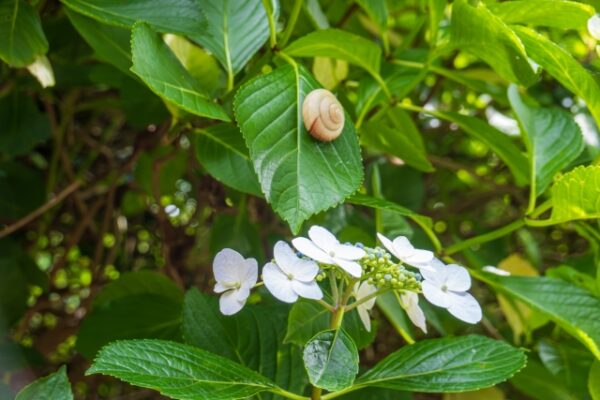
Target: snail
x=323 y=115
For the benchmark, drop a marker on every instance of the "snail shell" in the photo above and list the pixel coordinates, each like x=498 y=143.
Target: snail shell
x=323 y=115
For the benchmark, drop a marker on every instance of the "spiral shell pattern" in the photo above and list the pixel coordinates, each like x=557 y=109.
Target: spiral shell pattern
x=323 y=115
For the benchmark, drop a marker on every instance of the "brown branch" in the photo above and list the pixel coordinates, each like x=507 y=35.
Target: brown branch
x=41 y=210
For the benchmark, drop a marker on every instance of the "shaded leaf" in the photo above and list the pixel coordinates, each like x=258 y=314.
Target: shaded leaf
x=23 y=126
x=537 y=382
x=571 y=307
x=158 y=67
x=222 y=151
x=55 y=386
x=22 y=190
x=552 y=137
x=476 y=30
x=23 y=39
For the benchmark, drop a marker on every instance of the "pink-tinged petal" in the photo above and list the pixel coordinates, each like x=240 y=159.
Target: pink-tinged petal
x=410 y=303
x=229 y=303
x=278 y=283
x=403 y=247
x=420 y=257
x=435 y=295
x=309 y=249
x=387 y=243
x=351 y=267
x=309 y=290
x=466 y=308
x=226 y=265
x=349 y=252
x=323 y=238
x=457 y=278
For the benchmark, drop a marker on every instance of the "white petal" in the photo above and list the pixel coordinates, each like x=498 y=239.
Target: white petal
x=594 y=26
x=229 y=303
x=278 y=283
x=351 y=267
x=420 y=257
x=248 y=272
x=434 y=274
x=363 y=290
x=465 y=307
x=226 y=264
x=364 y=317
x=323 y=238
x=349 y=252
x=457 y=278
x=309 y=249
x=410 y=302
x=290 y=263
x=42 y=70
x=220 y=288
x=435 y=295
x=403 y=247
x=387 y=243
x=310 y=290
x=493 y=270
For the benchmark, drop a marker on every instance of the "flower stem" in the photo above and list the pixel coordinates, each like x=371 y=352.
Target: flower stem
x=486 y=237
x=291 y=23
x=366 y=298
x=272 y=31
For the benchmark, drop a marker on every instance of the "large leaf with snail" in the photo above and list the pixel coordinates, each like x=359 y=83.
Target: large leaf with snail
x=299 y=175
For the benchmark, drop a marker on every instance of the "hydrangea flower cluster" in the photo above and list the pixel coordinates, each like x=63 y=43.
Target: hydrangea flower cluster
x=357 y=275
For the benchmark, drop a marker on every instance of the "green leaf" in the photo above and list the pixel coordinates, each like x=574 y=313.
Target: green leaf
x=377 y=11
x=253 y=337
x=22 y=190
x=563 y=67
x=184 y=17
x=21 y=31
x=331 y=360
x=55 y=386
x=110 y=43
x=158 y=67
x=338 y=44
x=552 y=137
x=571 y=307
x=23 y=125
x=476 y=30
x=496 y=140
x=446 y=365
x=138 y=305
x=236 y=30
x=538 y=383
x=557 y=14
x=594 y=380
x=178 y=371
x=436 y=15
x=222 y=151
x=299 y=175
x=315 y=13
x=382 y=204
x=389 y=305
x=576 y=195
x=307 y=318
x=393 y=131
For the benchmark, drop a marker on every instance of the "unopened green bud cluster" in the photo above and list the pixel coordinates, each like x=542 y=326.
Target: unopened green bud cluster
x=383 y=272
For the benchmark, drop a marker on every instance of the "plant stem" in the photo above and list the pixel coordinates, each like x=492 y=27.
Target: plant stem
x=486 y=237
x=289 y=395
x=366 y=298
x=291 y=23
x=272 y=31
x=326 y=305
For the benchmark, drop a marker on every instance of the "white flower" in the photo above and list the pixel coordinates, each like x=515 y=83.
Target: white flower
x=447 y=287
x=593 y=26
x=235 y=276
x=493 y=270
x=407 y=253
x=42 y=70
x=410 y=302
x=291 y=276
x=360 y=292
x=325 y=248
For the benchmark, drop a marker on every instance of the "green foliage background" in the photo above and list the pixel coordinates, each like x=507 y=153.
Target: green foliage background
x=173 y=130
